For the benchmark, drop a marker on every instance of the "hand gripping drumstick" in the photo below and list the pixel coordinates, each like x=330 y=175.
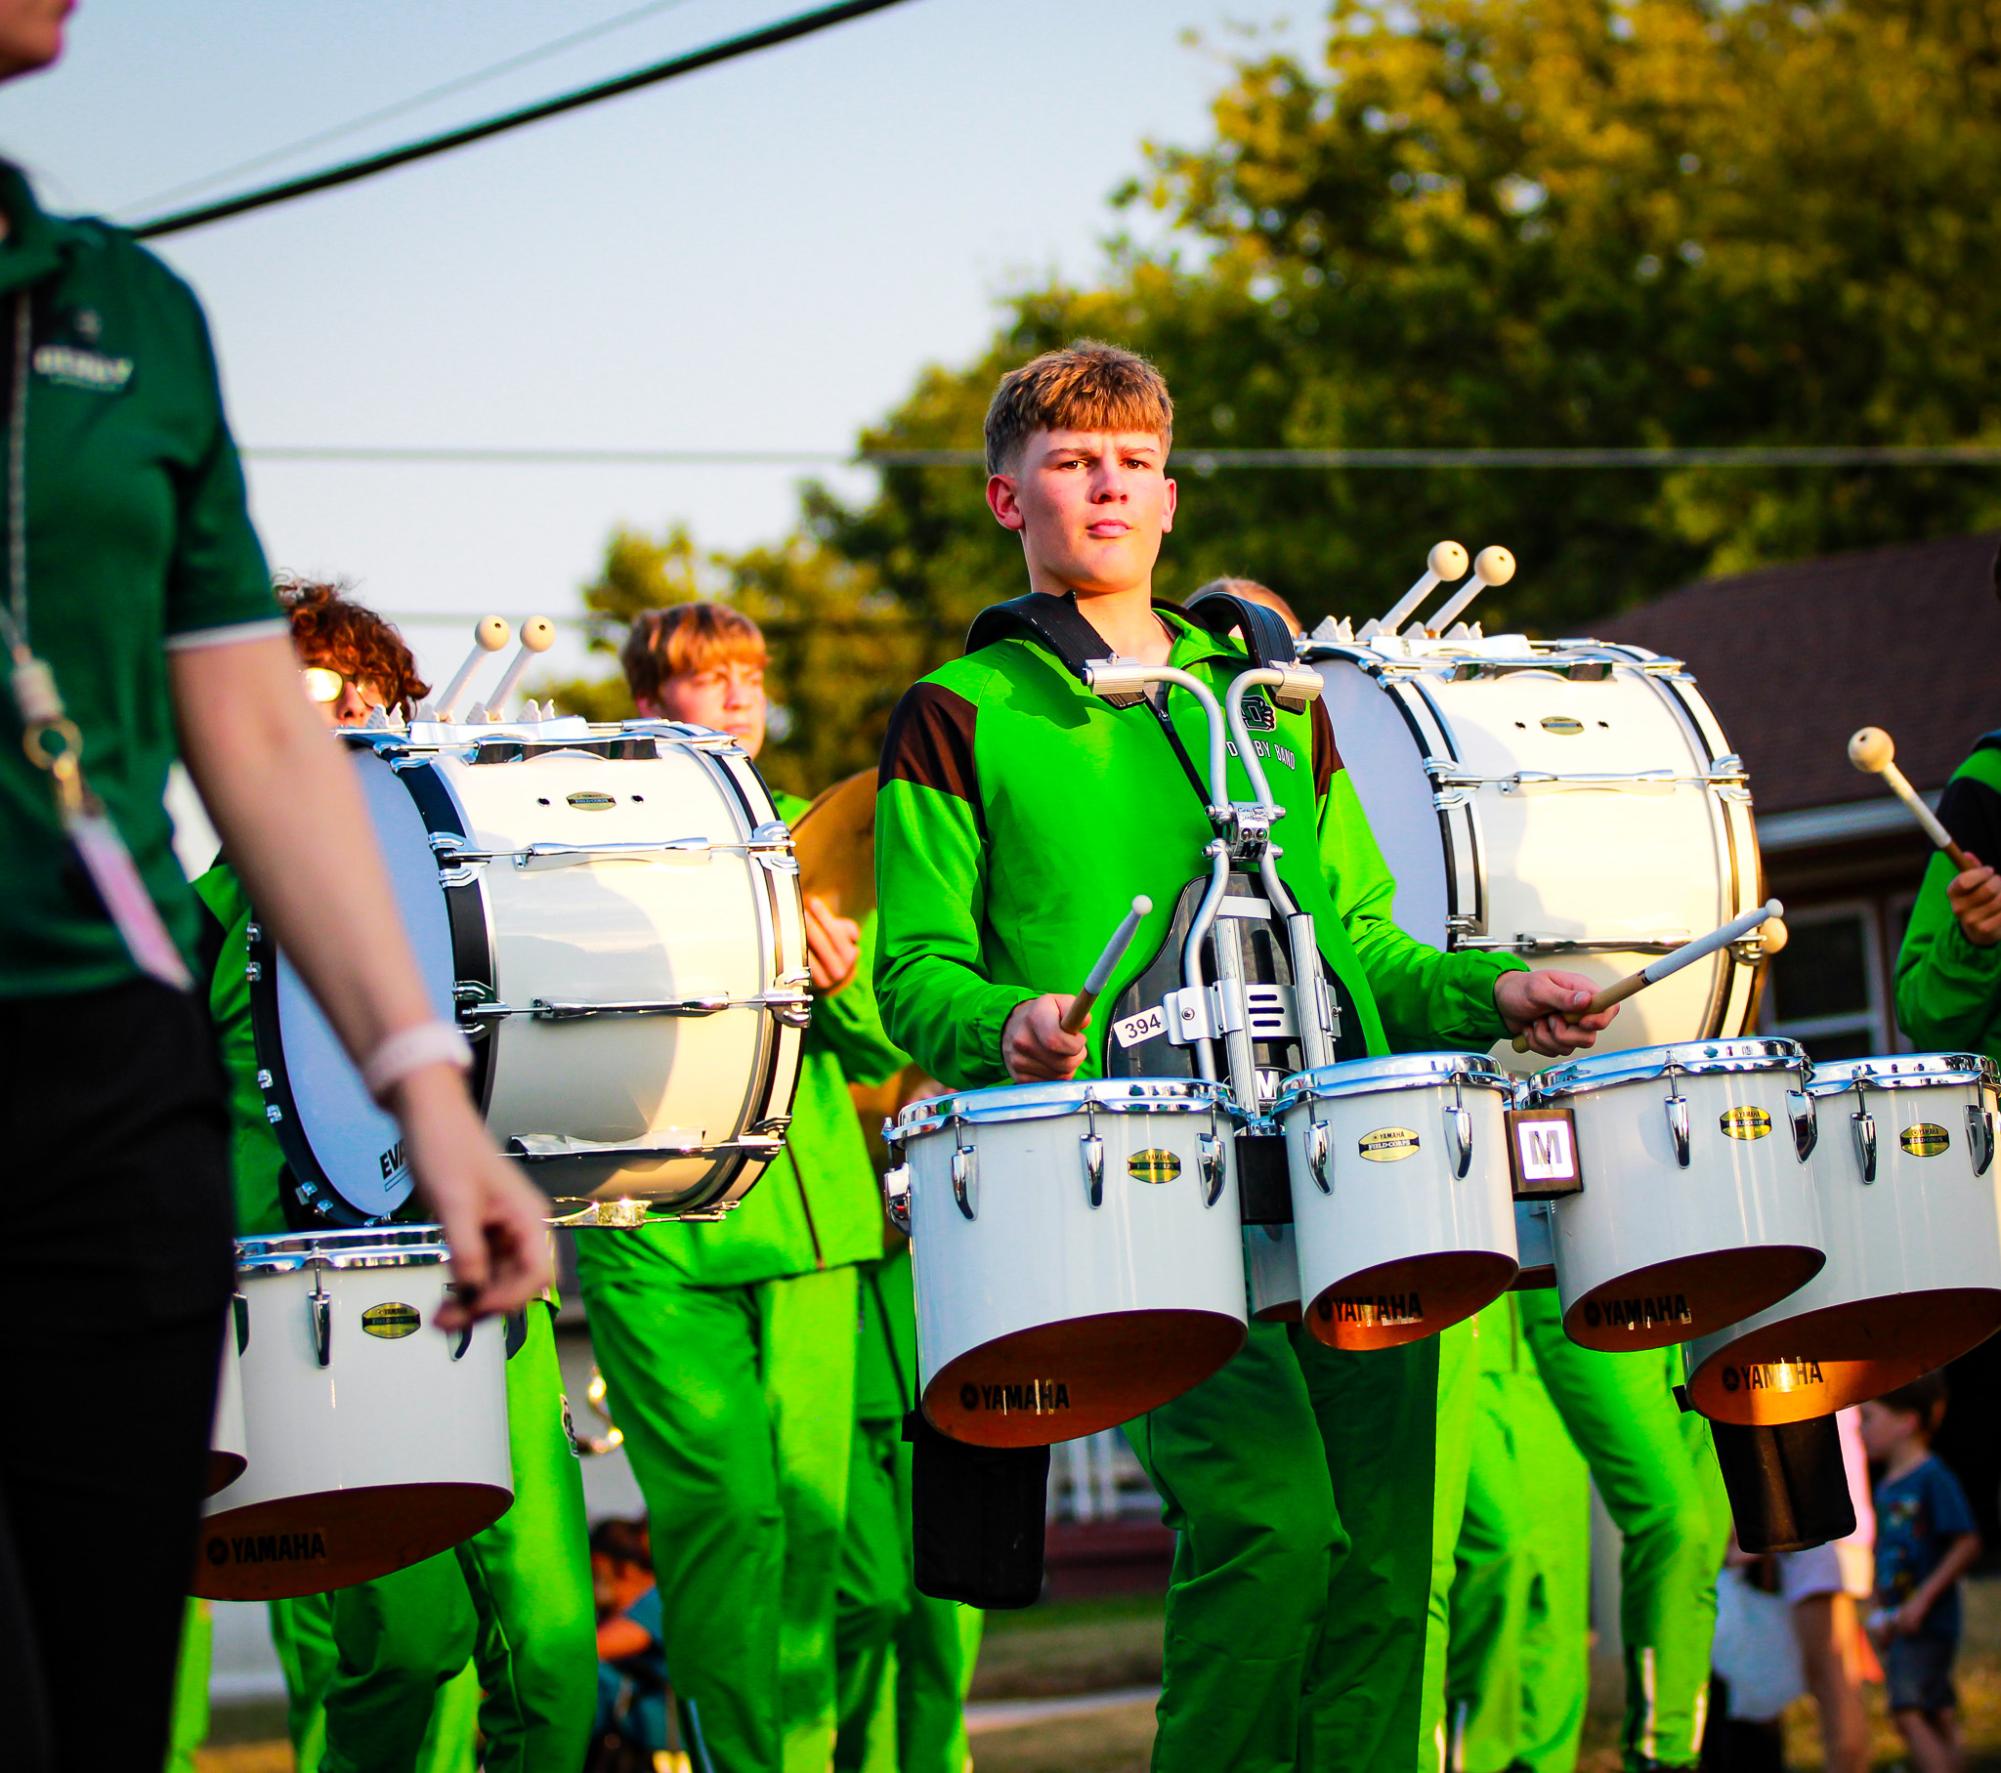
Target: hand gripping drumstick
x=1686 y=955
x=1080 y=1005
x=489 y=634
x=1873 y=752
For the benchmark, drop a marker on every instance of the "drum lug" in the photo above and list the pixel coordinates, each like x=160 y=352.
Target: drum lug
x=1319 y=1147
x=896 y=1197
x=966 y=1181
x=1980 y=1138
x=1864 y=1124
x=1678 y=1130
x=1094 y=1168
x=1806 y=1123
x=1459 y=1140
x=319 y=1307
x=1210 y=1145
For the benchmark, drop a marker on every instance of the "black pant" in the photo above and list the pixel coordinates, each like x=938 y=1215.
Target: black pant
x=115 y=1270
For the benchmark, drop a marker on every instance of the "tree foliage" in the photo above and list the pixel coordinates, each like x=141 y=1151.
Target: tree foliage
x=1510 y=223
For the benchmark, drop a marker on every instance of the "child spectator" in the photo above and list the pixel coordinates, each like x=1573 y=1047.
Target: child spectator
x=1925 y=1542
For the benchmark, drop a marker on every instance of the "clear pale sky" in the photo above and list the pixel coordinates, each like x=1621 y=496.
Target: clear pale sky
x=761 y=255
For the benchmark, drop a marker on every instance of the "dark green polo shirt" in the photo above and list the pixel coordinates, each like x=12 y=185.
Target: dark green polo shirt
x=138 y=542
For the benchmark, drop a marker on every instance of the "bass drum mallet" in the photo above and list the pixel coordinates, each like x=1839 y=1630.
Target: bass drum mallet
x=1874 y=753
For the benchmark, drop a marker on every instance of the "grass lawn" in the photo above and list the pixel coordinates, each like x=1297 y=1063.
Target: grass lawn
x=1091 y=1646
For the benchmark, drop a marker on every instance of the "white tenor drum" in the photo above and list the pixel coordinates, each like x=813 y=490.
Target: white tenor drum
x=375 y=1440
x=229 y=1439
x=1572 y=802
x=613 y=915
x=1077 y=1251
x=1699 y=1206
x=1401 y=1200
x=1904 y=1168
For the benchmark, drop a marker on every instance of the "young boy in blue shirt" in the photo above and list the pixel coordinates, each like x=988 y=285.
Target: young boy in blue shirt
x=1925 y=1542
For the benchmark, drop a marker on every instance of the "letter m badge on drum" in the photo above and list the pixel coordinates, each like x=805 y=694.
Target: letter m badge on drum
x=1542 y=1153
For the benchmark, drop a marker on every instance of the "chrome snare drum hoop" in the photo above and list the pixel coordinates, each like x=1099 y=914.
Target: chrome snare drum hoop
x=1076 y=1249
x=613 y=915
x=1904 y=1168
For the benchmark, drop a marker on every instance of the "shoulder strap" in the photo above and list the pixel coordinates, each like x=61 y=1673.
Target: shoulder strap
x=1057 y=623
x=1266 y=637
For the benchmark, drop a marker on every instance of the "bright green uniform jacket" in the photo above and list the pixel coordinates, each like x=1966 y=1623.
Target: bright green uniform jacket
x=783 y=1227
x=138 y=543
x=1019 y=816
x=1949 y=989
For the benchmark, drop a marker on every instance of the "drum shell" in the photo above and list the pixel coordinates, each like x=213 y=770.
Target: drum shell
x=1043 y=1317
x=1396 y=1250
x=229 y=1438
x=391 y=1452
x=1913 y=1275
x=1651 y=1253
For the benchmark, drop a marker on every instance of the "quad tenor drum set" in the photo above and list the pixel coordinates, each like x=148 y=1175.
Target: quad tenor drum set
x=1814 y=1235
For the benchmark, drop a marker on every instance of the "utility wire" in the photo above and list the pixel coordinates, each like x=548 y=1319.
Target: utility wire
x=1188 y=459
x=402 y=107
x=767 y=37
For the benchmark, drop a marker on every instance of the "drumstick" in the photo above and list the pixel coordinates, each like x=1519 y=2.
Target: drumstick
x=538 y=634
x=1873 y=751
x=1447 y=560
x=1686 y=955
x=1080 y=1005
x=489 y=634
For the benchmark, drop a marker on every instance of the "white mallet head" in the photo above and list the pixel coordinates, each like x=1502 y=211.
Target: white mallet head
x=1493 y=565
x=538 y=634
x=492 y=633
x=1447 y=560
x=1872 y=750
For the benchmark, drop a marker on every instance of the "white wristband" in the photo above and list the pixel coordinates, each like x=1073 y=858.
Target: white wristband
x=411 y=1049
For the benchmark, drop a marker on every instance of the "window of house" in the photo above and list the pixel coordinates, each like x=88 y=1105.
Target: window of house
x=1826 y=988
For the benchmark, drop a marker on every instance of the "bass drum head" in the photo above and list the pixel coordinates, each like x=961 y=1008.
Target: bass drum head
x=345 y=1153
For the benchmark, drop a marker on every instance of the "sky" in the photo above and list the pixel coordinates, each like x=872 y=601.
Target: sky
x=759 y=256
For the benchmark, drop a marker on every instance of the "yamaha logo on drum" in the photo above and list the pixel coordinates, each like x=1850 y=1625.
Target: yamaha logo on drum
x=1372 y=1311
x=1640 y=1313
x=1153 y=1165
x=1036 y=1395
x=1926 y=1139
x=1388 y=1145
x=1773 y=1376
x=1562 y=725
x=590 y=801
x=268 y=1548
x=1745 y=1122
x=392 y=1320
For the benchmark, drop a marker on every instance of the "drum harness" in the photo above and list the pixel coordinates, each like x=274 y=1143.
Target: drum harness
x=1239 y=969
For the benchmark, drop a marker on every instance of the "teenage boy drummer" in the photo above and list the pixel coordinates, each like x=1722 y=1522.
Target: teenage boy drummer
x=1018 y=817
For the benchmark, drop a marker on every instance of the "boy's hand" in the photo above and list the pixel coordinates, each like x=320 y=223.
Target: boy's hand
x=1542 y=1007
x=1906 y=1621
x=1033 y=1045
x=1975 y=898
x=832 y=944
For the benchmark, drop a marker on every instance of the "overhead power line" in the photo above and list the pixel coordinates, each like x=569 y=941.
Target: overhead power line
x=804 y=24
x=404 y=106
x=1187 y=458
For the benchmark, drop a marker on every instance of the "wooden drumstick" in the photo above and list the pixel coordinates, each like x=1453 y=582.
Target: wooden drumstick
x=1080 y=1005
x=1873 y=752
x=1686 y=955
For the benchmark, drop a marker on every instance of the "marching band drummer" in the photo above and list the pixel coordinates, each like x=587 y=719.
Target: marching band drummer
x=134 y=601
x=375 y=1672
x=728 y=1349
x=1949 y=968
x=1315 y=1493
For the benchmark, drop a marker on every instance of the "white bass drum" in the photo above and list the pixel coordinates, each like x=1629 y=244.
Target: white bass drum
x=1571 y=802
x=612 y=914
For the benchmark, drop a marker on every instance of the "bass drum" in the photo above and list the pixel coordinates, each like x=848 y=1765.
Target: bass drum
x=612 y=914
x=1571 y=802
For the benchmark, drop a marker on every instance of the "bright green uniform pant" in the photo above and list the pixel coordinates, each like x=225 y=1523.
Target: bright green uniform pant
x=1315 y=1497
x=737 y=1406
x=1655 y=1466
x=1519 y=1669
x=905 y=1658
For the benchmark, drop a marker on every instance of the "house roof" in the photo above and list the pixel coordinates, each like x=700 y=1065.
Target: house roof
x=1794 y=658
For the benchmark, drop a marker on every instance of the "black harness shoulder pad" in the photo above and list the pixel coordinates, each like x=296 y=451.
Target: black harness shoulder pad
x=1267 y=638
x=1058 y=624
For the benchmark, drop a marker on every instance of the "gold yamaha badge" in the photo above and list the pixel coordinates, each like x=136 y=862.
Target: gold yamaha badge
x=588 y=800
x=1388 y=1145
x=391 y=1321
x=1746 y=1122
x=1153 y=1165
x=1926 y=1139
x=1562 y=725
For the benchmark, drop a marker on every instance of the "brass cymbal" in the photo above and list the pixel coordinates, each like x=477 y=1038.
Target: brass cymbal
x=834 y=839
